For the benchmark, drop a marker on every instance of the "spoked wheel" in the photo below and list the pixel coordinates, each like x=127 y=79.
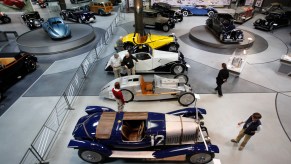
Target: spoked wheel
x=127 y=95
x=200 y=158
x=90 y=156
x=166 y=28
x=210 y=13
x=186 y=98
x=173 y=48
x=182 y=78
x=30 y=65
x=185 y=13
x=177 y=69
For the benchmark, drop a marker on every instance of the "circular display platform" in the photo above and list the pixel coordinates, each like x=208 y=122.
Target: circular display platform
x=203 y=35
x=38 y=41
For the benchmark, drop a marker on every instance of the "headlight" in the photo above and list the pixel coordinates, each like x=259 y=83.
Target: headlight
x=83 y=17
x=228 y=36
x=240 y=36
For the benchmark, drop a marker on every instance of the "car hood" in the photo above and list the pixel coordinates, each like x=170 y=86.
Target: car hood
x=151 y=38
x=60 y=29
x=86 y=126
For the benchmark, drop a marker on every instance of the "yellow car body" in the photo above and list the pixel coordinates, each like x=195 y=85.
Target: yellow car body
x=168 y=43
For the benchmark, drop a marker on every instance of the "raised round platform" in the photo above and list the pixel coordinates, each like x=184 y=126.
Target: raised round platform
x=38 y=41
x=204 y=36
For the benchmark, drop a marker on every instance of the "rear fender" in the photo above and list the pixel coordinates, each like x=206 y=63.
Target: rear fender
x=87 y=145
x=185 y=150
x=94 y=109
x=187 y=112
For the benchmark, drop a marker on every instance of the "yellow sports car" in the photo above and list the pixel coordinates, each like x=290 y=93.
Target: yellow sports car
x=159 y=42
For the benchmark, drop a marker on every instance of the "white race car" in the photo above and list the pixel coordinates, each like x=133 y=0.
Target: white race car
x=135 y=88
x=151 y=61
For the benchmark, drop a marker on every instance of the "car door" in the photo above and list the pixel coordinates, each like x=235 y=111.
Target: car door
x=144 y=62
x=149 y=19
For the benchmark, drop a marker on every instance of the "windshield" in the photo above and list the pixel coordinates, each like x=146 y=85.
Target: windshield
x=56 y=22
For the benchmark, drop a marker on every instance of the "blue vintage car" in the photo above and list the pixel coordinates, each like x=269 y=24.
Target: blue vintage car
x=104 y=133
x=197 y=10
x=56 y=28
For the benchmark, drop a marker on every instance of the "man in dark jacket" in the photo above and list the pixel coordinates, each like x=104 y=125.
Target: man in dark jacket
x=251 y=126
x=221 y=78
x=128 y=63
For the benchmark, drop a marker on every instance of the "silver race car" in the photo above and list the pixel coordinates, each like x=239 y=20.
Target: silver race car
x=135 y=88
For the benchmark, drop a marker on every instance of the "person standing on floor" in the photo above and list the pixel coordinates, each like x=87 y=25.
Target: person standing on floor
x=251 y=126
x=115 y=62
x=118 y=97
x=129 y=64
x=221 y=78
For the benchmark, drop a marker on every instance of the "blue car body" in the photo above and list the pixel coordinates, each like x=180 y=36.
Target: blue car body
x=197 y=10
x=104 y=133
x=56 y=28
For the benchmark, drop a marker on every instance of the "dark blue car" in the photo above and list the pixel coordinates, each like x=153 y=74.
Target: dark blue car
x=104 y=133
x=56 y=28
x=197 y=10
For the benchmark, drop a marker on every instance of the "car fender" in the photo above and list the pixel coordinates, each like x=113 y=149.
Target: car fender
x=187 y=112
x=185 y=150
x=88 y=145
x=94 y=109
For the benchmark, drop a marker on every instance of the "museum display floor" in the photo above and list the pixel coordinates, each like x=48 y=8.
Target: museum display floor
x=259 y=88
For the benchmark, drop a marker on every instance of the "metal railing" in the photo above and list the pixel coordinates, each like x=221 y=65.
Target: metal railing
x=41 y=145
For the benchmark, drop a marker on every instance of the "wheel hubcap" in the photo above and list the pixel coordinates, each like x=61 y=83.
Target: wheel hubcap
x=172 y=48
x=91 y=156
x=200 y=158
x=127 y=96
x=187 y=99
x=178 y=69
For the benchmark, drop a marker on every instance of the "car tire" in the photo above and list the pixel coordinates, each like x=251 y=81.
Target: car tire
x=185 y=13
x=210 y=13
x=177 y=68
x=63 y=17
x=30 y=65
x=186 y=99
x=173 y=47
x=166 y=27
x=182 y=76
x=271 y=28
x=128 y=46
x=6 y=20
x=221 y=37
x=127 y=95
x=199 y=158
x=180 y=19
x=90 y=156
x=80 y=20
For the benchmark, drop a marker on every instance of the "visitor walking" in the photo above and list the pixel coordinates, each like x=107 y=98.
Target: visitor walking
x=251 y=126
x=118 y=97
x=221 y=78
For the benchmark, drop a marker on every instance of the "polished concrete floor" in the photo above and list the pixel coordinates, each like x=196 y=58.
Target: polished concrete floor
x=260 y=88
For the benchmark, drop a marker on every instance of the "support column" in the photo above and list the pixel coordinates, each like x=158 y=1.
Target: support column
x=138 y=19
x=62 y=4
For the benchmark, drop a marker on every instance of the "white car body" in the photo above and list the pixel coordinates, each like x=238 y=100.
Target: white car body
x=156 y=61
x=135 y=88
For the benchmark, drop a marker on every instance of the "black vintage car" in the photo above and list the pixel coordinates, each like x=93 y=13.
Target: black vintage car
x=165 y=10
x=221 y=25
x=273 y=20
x=32 y=20
x=152 y=19
x=77 y=15
x=4 y=18
x=14 y=66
